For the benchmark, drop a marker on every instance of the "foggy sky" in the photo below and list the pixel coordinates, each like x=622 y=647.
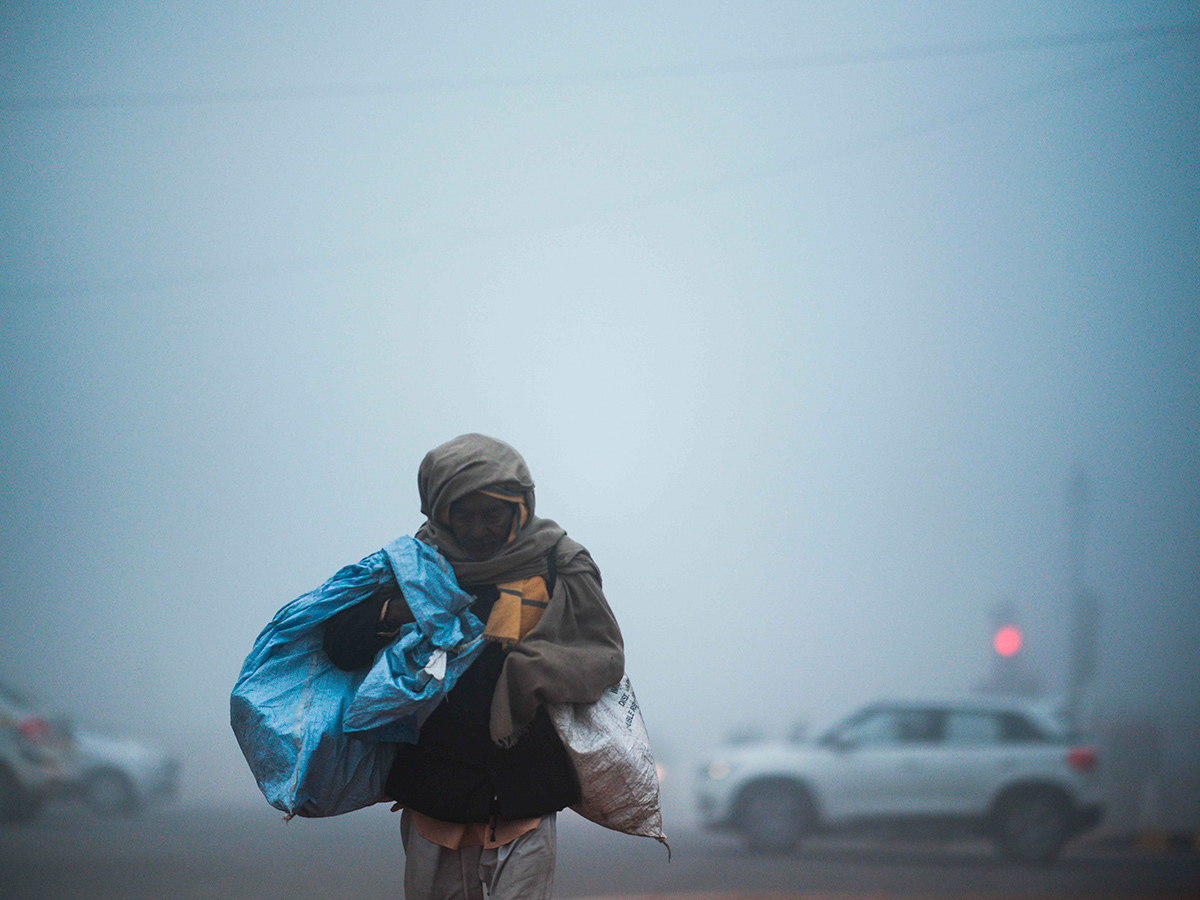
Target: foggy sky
x=804 y=350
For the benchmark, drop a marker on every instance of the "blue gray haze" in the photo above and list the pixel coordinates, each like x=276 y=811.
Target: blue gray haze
x=803 y=314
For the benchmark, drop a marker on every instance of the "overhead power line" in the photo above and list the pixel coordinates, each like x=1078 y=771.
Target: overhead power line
x=681 y=193
x=973 y=112
x=152 y=99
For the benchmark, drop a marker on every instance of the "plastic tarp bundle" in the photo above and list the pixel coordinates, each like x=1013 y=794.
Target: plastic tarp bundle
x=319 y=740
x=610 y=749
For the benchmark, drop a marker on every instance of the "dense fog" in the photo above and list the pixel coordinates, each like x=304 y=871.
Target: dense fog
x=803 y=315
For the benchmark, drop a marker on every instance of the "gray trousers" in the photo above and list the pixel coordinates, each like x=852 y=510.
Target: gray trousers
x=519 y=870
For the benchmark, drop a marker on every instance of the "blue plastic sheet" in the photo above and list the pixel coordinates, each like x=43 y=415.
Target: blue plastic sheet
x=319 y=740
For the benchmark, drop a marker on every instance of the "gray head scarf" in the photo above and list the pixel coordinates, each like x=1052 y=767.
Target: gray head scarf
x=575 y=651
x=475 y=462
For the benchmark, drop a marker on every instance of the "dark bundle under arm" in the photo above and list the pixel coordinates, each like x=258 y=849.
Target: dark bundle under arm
x=352 y=636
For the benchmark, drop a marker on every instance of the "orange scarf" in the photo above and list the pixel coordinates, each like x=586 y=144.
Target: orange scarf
x=518 y=608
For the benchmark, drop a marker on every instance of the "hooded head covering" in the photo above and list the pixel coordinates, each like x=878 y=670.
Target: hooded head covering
x=575 y=651
x=476 y=462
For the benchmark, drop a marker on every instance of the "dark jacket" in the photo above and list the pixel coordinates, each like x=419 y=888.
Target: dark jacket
x=455 y=772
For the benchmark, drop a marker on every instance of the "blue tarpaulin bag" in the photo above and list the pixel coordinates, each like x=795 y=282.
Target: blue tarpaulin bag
x=319 y=740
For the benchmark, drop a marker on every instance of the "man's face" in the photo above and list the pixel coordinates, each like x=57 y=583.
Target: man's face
x=481 y=524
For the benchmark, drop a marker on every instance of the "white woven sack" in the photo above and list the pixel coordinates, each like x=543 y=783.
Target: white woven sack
x=609 y=746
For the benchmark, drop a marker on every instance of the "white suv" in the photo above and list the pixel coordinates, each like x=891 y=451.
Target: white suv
x=1004 y=769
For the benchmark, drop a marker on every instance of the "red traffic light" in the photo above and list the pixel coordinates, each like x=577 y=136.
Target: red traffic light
x=1007 y=640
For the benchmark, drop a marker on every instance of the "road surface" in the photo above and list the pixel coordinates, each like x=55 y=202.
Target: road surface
x=176 y=852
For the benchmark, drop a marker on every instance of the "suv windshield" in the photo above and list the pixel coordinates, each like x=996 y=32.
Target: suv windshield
x=881 y=726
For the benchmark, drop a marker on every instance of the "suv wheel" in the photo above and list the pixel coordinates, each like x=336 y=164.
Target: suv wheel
x=109 y=793
x=774 y=817
x=1032 y=826
x=16 y=803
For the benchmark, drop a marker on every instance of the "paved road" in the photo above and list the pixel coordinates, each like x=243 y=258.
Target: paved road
x=252 y=855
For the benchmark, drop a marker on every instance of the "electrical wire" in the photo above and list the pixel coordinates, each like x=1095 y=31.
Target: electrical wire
x=684 y=193
x=899 y=133
x=166 y=99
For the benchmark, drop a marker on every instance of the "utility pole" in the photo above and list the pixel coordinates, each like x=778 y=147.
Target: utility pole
x=1085 y=613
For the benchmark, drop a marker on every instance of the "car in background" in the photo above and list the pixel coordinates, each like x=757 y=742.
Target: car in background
x=1004 y=769
x=44 y=757
x=119 y=776
x=35 y=754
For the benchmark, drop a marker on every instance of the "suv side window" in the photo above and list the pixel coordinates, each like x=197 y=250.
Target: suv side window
x=918 y=726
x=1016 y=729
x=890 y=727
x=972 y=728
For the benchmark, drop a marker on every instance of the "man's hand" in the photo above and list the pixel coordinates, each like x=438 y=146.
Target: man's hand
x=395 y=614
